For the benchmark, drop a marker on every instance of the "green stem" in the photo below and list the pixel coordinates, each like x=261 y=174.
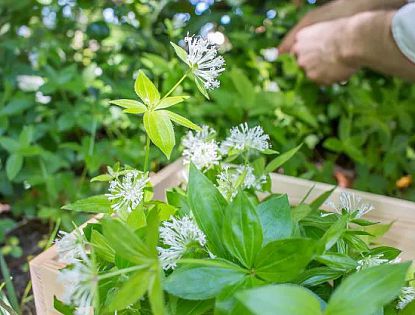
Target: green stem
x=177 y=84
x=121 y=271
x=147 y=154
x=11 y=293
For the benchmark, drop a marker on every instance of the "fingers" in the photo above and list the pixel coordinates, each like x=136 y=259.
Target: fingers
x=288 y=41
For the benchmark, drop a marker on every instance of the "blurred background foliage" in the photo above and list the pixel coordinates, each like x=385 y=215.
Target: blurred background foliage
x=61 y=61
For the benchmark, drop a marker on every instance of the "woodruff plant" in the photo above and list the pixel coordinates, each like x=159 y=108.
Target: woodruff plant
x=215 y=246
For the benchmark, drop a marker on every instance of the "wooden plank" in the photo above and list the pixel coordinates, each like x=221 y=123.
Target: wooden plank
x=44 y=268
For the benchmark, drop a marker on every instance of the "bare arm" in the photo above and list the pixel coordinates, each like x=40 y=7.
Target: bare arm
x=334 y=10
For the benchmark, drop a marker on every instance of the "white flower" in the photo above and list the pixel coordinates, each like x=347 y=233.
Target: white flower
x=29 y=83
x=202 y=58
x=70 y=246
x=352 y=204
x=244 y=138
x=80 y=283
x=371 y=261
x=126 y=193
x=200 y=148
x=179 y=235
x=42 y=99
x=229 y=177
x=407 y=296
x=270 y=54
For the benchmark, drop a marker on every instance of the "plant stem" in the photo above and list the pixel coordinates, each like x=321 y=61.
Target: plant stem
x=147 y=154
x=177 y=84
x=11 y=293
x=121 y=271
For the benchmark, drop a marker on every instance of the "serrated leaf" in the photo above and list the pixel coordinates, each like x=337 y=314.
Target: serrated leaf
x=281 y=159
x=170 y=101
x=14 y=164
x=94 y=204
x=145 y=89
x=180 y=52
x=131 y=106
x=182 y=120
x=160 y=130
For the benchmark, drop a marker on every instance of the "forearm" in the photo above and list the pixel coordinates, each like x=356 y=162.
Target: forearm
x=369 y=43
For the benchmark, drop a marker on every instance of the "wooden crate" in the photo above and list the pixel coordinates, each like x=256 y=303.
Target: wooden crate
x=44 y=268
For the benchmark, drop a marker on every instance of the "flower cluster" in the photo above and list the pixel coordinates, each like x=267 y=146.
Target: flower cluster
x=70 y=246
x=243 y=138
x=231 y=178
x=127 y=192
x=179 y=236
x=407 y=296
x=352 y=204
x=201 y=149
x=375 y=260
x=203 y=60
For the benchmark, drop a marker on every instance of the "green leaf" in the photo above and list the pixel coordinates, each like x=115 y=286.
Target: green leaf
x=125 y=242
x=242 y=84
x=332 y=235
x=14 y=164
x=170 y=101
x=200 y=86
x=145 y=89
x=283 y=299
x=160 y=130
x=155 y=293
x=337 y=261
x=242 y=231
x=300 y=212
x=315 y=276
x=94 y=204
x=281 y=159
x=186 y=307
x=275 y=216
x=131 y=106
x=366 y=291
x=9 y=144
x=208 y=207
x=320 y=200
x=180 y=52
x=62 y=307
x=196 y=282
x=26 y=136
x=132 y=290
x=284 y=260
x=182 y=120
x=102 y=178
x=102 y=247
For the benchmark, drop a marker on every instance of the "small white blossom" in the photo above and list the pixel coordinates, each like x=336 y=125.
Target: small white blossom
x=352 y=204
x=270 y=54
x=244 y=138
x=80 y=283
x=229 y=177
x=178 y=235
x=201 y=149
x=371 y=261
x=70 y=246
x=203 y=60
x=29 y=83
x=407 y=296
x=126 y=193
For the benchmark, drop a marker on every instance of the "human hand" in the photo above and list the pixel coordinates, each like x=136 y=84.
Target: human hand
x=320 y=50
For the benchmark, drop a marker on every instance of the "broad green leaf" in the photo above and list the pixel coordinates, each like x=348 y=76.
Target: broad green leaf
x=275 y=216
x=14 y=164
x=160 y=130
x=180 y=52
x=300 y=212
x=208 y=207
x=281 y=159
x=315 y=276
x=196 y=282
x=387 y=252
x=284 y=260
x=25 y=137
x=9 y=144
x=242 y=231
x=337 y=261
x=186 y=307
x=102 y=247
x=170 y=101
x=132 y=290
x=131 y=106
x=94 y=204
x=125 y=242
x=145 y=89
x=283 y=299
x=182 y=120
x=366 y=291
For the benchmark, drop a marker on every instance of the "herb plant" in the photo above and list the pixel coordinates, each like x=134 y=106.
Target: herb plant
x=216 y=246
